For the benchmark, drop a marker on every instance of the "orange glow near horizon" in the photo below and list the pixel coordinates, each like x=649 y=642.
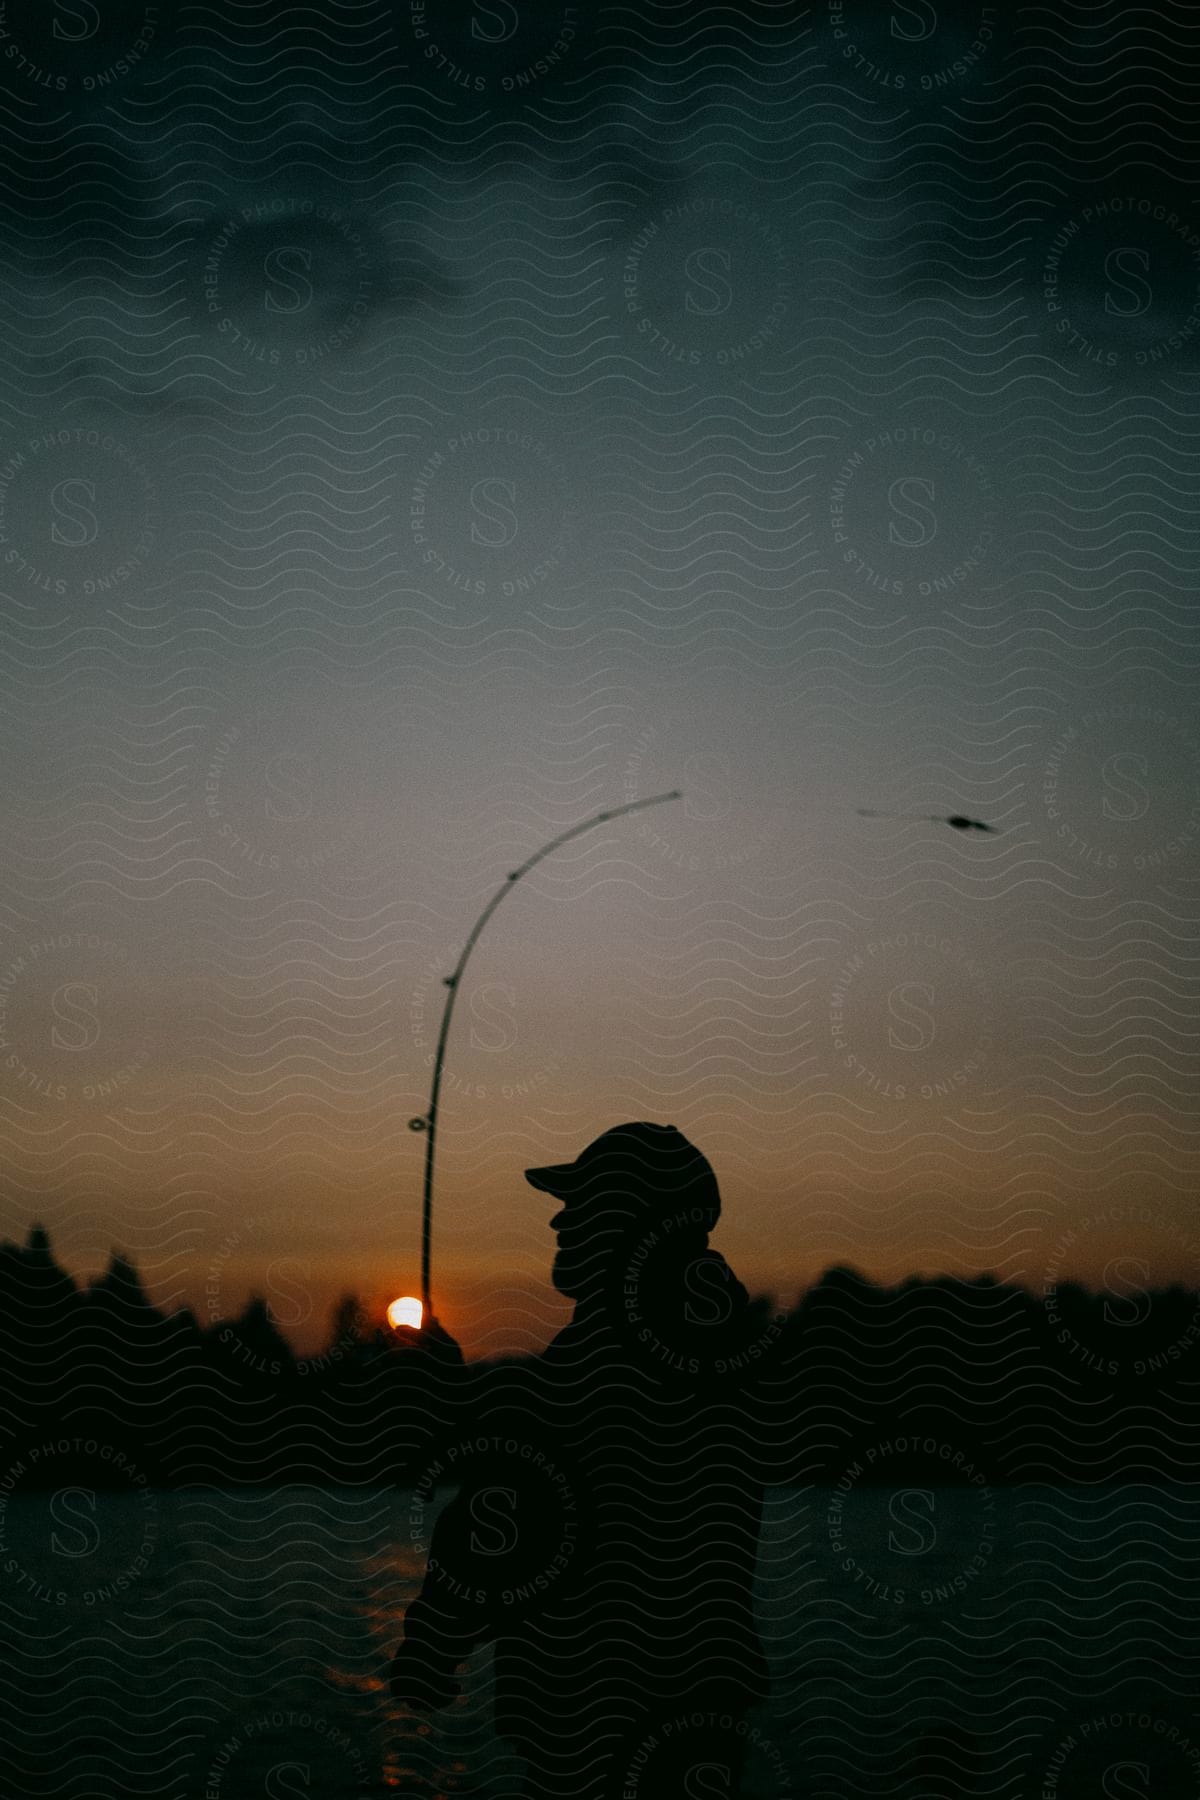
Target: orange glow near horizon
x=405 y=1312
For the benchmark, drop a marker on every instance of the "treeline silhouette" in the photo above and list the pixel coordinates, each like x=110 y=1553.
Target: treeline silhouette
x=1062 y=1386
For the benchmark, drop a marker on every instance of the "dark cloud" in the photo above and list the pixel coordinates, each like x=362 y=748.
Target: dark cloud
x=1004 y=127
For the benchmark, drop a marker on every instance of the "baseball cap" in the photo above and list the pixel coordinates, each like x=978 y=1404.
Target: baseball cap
x=651 y=1160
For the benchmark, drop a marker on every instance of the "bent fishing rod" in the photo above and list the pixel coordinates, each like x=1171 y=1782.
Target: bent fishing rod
x=427 y=1121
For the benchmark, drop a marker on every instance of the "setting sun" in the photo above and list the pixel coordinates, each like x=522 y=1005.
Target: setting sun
x=406 y=1311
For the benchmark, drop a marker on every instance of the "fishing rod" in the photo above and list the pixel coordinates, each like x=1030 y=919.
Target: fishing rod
x=427 y=1121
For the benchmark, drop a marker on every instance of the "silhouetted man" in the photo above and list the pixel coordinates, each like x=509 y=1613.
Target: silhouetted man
x=605 y=1532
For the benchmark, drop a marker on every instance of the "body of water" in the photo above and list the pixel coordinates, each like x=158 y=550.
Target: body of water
x=216 y=1645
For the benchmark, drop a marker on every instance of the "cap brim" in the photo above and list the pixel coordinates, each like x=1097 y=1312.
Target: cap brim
x=558 y=1179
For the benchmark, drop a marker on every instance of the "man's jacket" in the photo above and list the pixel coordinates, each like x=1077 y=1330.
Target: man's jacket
x=604 y=1536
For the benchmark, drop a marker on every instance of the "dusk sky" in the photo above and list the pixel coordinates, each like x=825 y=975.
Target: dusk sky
x=417 y=437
